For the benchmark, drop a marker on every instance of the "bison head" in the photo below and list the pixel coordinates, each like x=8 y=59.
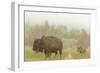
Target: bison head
x=37 y=45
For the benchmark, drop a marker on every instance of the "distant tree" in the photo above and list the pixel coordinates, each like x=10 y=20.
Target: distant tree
x=83 y=41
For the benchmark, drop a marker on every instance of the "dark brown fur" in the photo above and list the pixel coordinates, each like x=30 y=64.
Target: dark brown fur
x=51 y=45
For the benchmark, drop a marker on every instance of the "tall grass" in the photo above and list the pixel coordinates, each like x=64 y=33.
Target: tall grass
x=68 y=54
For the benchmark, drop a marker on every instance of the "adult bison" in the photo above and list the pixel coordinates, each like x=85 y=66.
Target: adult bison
x=48 y=45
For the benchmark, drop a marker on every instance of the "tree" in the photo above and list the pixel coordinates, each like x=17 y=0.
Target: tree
x=83 y=41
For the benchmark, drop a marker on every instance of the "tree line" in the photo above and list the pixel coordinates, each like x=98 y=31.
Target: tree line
x=36 y=31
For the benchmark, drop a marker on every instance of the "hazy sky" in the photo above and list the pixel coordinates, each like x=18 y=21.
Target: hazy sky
x=69 y=20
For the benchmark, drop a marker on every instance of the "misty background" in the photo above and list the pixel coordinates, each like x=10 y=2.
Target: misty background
x=72 y=29
x=69 y=20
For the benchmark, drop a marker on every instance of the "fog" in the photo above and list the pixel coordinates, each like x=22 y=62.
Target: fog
x=66 y=19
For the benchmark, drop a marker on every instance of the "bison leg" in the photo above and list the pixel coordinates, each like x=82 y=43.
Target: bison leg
x=55 y=53
x=47 y=53
x=60 y=52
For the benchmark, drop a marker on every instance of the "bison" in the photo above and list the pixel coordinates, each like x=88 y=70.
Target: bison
x=81 y=49
x=48 y=45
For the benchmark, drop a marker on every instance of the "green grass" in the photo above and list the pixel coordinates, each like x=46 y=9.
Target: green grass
x=68 y=54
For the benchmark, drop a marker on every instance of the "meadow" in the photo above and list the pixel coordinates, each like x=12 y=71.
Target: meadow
x=68 y=54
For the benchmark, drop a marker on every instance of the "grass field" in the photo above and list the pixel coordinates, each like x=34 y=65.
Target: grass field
x=68 y=54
